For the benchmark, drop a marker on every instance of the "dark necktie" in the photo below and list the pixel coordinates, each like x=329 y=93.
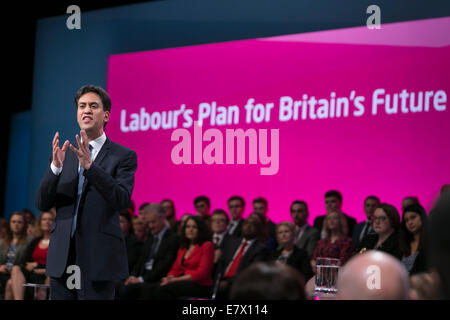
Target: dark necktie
x=365 y=230
x=80 y=190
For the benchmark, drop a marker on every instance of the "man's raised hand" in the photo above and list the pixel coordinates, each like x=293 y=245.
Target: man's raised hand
x=83 y=153
x=59 y=153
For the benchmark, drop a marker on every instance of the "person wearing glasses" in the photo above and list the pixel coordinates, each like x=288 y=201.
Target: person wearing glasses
x=386 y=221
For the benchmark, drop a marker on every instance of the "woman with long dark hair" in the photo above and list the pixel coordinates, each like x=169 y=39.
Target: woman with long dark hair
x=191 y=273
x=412 y=238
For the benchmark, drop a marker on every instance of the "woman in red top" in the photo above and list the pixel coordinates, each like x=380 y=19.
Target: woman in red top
x=33 y=268
x=335 y=244
x=191 y=273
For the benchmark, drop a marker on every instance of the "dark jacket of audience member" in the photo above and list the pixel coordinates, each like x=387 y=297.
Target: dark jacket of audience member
x=134 y=247
x=163 y=260
x=390 y=245
x=299 y=260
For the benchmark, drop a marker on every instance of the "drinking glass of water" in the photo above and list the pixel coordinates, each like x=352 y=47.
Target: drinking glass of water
x=326 y=275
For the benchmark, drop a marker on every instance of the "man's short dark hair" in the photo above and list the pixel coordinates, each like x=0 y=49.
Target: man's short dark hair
x=144 y=205
x=268 y=281
x=333 y=193
x=373 y=198
x=222 y=212
x=300 y=202
x=106 y=100
x=237 y=198
x=202 y=199
x=261 y=200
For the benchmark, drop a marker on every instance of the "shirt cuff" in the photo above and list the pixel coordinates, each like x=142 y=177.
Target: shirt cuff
x=56 y=171
x=141 y=280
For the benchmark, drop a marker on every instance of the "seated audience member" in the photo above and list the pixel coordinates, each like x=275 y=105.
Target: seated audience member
x=439 y=243
x=288 y=253
x=306 y=237
x=13 y=247
x=336 y=243
x=333 y=202
x=268 y=281
x=3 y=228
x=169 y=208
x=30 y=218
x=236 y=206
x=386 y=222
x=261 y=207
x=180 y=224
x=239 y=253
x=412 y=238
x=191 y=273
x=407 y=201
x=32 y=268
x=362 y=229
x=219 y=224
x=139 y=228
x=373 y=275
x=424 y=286
x=265 y=237
x=202 y=206
x=156 y=257
x=132 y=243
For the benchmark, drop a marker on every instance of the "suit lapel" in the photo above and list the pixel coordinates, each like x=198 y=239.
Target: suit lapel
x=103 y=152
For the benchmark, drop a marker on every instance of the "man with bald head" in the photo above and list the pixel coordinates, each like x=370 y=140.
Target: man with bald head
x=373 y=275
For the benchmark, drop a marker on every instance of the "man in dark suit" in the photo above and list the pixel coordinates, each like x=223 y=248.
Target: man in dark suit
x=261 y=207
x=89 y=186
x=238 y=254
x=306 y=236
x=158 y=255
x=333 y=203
x=236 y=206
x=364 y=228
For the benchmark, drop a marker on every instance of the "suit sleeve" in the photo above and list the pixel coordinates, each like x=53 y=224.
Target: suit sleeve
x=46 y=193
x=312 y=243
x=205 y=267
x=115 y=190
x=162 y=266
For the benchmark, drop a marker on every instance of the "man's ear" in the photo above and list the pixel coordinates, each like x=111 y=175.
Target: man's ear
x=106 y=116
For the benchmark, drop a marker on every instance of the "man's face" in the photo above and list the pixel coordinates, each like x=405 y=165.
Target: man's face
x=260 y=208
x=332 y=204
x=218 y=223
x=168 y=208
x=202 y=208
x=155 y=222
x=236 y=209
x=370 y=205
x=90 y=114
x=299 y=214
x=250 y=228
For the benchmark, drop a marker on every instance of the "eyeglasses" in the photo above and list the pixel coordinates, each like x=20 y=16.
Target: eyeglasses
x=218 y=220
x=381 y=219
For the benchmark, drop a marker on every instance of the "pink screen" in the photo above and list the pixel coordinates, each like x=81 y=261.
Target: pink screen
x=361 y=111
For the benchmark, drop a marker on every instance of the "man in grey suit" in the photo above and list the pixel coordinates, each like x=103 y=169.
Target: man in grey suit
x=306 y=236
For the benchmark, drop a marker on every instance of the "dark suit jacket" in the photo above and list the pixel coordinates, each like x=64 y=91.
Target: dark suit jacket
x=256 y=252
x=100 y=246
x=299 y=260
x=421 y=263
x=308 y=241
x=351 y=222
x=163 y=260
x=134 y=247
x=237 y=232
x=357 y=232
x=390 y=245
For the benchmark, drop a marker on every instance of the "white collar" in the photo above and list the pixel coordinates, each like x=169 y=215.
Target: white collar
x=98 y=143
